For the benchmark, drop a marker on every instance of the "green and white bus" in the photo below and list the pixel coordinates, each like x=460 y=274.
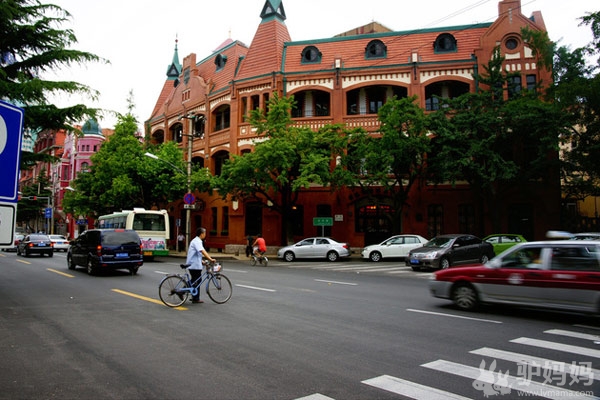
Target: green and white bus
x=151 y=225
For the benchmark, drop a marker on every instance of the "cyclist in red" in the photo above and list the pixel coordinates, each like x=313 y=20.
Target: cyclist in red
x=260 y=246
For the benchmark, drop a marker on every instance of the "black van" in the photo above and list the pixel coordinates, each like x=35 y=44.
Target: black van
x=106 y=249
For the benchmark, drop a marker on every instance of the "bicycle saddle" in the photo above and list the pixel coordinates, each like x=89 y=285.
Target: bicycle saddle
x=184 y=266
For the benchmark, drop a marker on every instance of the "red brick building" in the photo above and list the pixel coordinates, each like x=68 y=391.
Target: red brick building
x=343 y=79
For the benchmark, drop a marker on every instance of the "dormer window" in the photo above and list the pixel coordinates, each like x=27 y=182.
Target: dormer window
x=311 y=55
x=444 y=43
x=220 y=61
x=375 y=49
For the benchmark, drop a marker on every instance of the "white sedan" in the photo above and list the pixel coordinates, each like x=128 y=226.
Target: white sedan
x=61 y=243
x=395 y=247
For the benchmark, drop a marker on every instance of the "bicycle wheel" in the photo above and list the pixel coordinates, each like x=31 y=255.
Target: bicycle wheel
x=219 y=288
x=170 y=291
x=253 y=261
x=266 y=261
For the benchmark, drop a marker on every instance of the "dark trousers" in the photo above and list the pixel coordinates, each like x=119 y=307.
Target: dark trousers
x=248 y=250
x=195 y=274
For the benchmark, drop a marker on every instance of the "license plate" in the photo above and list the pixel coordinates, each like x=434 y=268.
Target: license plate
x=41 y=244
x=414 y=261
x=147 y=253
x=121 y=255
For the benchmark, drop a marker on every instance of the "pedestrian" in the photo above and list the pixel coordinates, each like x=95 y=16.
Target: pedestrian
x=249 y=241
x=181 y=241
x=195 y=254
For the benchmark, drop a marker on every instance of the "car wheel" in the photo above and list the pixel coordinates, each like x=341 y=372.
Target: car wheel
x=332 y=256
x=484 y=259
x=90 y=267
x=444 y=263
x=289 y=256
x=70 y=263
x=375 y=256
x=416 y=268
x=465 y=297
x=133 y=271
x=51 y=254
x=26 y=253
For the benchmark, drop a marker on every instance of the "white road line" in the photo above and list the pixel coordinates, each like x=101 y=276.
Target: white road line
x=544 y=363
x=256 y=288
x=316 y=396
x=337 y=282
x=410 y=389
x=577 y=335
x=453 y=316
x=504 y=380
x=584 y=351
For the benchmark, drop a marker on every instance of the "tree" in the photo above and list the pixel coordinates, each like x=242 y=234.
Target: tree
x=577 y=88
x=31 y=44
x=496 y=144
x=394 y=160
x=285 y=160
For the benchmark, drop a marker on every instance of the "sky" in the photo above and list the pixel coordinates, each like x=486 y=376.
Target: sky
x=138 y=36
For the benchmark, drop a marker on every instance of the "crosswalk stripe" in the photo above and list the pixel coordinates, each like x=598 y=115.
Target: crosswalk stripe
x=584 y=351
x=577 y=335
x=505 y=380
x=410 y=389
x=527 y=359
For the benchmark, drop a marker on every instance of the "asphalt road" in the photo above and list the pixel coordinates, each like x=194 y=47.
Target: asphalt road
x=312 y=330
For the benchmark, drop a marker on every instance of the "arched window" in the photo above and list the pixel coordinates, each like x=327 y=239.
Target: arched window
x=444 y=43
x=375 y=49
x=311 y=55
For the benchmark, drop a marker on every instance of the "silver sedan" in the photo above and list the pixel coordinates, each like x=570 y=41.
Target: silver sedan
x=315 y=247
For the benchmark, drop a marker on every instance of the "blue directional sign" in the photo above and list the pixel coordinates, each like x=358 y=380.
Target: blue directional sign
x=11 y=127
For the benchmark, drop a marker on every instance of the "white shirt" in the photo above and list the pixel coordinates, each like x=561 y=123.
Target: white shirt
x=194 y=255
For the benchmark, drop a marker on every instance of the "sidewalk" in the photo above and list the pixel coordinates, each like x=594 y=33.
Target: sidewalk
x=241 y=257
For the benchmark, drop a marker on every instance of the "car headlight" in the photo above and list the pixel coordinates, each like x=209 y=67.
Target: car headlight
x=431 y=256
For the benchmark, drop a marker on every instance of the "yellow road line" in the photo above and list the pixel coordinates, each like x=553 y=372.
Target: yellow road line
x=149 y=299
x=60 y=273
x=23 y=261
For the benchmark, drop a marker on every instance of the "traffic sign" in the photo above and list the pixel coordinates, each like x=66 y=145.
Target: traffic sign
x=11 y=129
x=323 y=221
x=189 y=198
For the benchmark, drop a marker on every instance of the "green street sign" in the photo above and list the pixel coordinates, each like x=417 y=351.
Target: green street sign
x=323 y=221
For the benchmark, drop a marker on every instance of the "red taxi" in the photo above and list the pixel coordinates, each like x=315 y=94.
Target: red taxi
x=563 y=275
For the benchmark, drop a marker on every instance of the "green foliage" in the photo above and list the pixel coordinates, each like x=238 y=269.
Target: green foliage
x=121 y=177
x=285 y=160
x=32 y=45
x=577 y=89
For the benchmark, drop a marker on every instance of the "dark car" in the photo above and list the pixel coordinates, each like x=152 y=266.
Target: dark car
x=106 y=249
x=446 y=251
x=35 y=243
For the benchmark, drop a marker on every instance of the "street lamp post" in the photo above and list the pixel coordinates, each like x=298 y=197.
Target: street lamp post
x=188 y=221
x=190 y=135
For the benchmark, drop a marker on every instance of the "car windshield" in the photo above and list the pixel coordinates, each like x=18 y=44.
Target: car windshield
x=439 y=242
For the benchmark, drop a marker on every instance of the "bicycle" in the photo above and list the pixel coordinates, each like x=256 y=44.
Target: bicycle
x=174 y=289
x=262 y=259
